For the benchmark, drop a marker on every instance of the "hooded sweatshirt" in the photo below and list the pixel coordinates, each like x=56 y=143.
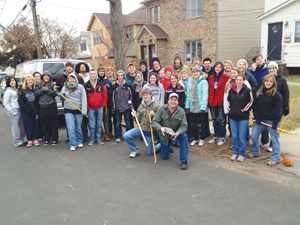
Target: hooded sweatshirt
x=145 y=73
x=62 y=79
x=158 y=92
x=10 y=100
x=46 y=98
x=28 y=102
x=78 y=98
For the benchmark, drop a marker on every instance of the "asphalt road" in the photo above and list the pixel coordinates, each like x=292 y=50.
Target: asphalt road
x=102 y=185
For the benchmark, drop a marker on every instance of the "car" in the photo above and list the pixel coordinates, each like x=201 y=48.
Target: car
x=2 y=75
x=55 y=66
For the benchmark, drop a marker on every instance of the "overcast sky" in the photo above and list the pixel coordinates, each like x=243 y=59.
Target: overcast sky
x=66 y=11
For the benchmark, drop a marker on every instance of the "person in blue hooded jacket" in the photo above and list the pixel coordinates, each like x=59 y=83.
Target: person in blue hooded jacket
x=196 y=104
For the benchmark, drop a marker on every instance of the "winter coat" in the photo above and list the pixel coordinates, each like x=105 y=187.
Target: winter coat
x=62 y=79
x=121 y=94
x=178 y=70
x=283 y=89
x=268 y=107
x=250 y=78
x=10 y=100
x=96 y=97
x=158 y=93
x=136 y=97
x=28 y=102
x=46 y=99
x=181 y=94
x=225 y=101
x=177 y=122
x=108 y=86
x=239 y=103
x=259 y=73
x=154 y=70
x=209 y=73
x=165 y=82
x=202 y=87
x=129 y=79
x=215 y=97
x=143 y=114
x=184 y=84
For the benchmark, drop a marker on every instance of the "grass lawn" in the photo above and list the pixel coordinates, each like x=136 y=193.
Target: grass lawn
x=293 y=119
x=292 y=78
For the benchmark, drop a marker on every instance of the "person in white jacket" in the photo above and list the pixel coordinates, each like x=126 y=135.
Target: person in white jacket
x=10 y=102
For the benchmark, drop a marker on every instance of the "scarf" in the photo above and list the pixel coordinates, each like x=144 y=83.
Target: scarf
x=139 y=88
x=71 y=87
x=194 y=96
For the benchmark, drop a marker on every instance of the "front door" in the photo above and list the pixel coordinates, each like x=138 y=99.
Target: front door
x=274 y=42
x=151 y=54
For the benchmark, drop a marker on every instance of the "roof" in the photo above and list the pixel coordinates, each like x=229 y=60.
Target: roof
x=275 y=9
x=138 y=16
x=154 y=30
x=127 y=44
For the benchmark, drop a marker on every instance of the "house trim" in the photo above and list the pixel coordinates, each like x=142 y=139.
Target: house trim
x=144 y=27
x=275 y=9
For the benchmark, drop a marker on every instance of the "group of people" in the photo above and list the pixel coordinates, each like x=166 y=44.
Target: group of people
x=176 y=99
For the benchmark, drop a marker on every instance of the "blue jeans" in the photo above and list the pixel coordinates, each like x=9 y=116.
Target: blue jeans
x=74 y=122
x=119 y=120
x=239 y=133
x=202 y=119
x=31 y=125
x=219 y=121
x=136 y=133
x=256 y=131
x=95 y=121
x=183 y=152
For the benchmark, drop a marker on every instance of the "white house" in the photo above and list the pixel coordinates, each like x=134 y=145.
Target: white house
x=280 y=33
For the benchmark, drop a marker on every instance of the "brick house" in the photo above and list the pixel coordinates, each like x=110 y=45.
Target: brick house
x=101 y=44
x=216 y=29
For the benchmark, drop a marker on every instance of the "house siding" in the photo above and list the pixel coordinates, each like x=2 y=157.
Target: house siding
x=270 y=4
x=238 y=30
x=290 y=50
x=181 y=30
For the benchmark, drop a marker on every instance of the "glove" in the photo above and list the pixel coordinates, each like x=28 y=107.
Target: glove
x=286 y=112
x=187 y=111
x=202 y=111
x=274 y=126
x=258 y=121
x=45 y=88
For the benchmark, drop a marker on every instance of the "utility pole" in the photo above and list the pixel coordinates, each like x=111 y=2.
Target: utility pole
x=36 y=30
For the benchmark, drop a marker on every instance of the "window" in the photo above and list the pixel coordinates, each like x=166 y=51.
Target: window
x=56 y=69
x=83 y=46
x=158 y=13
x=297 y=32
x=193 y=8
x=193 y=49
x=152 y=14
x=128 y=32
x=98 y=38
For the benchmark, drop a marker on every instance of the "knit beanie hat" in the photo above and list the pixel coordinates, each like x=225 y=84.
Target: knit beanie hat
x=152 y=73
x=177 y=56
x=168 y=68
x=101 y=67
x=69 y=64
x=244 y=61
x=273 y=64
x=155 y=59
x=143 y=62
x=109 y=68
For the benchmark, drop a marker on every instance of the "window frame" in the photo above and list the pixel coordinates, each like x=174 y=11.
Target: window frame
x=190 y=43
x=129 y=30
x=189 y=11
x=85 y=47
x=152 y=15
x=295 y=26
x=98 y=38
x=158 y=13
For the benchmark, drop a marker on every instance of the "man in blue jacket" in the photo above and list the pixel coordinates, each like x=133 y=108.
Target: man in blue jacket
x=259 y=68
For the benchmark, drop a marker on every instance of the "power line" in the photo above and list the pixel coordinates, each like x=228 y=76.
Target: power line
x=24 y=7
x=2 y=8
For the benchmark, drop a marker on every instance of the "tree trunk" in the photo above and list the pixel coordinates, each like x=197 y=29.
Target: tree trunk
x=116 y=24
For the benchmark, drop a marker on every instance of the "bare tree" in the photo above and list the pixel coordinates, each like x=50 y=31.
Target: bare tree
x=116 y=22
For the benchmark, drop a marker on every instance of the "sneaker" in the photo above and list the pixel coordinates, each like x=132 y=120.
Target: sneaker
x=201 y=143
x=270 y=149
x=194 y=142
x=221 y=141
x=272 y=163
x=233 y=157
x=118 y=140
x=54 y=143
x=240 y=158
x=72 y=149
x=184 y=166
x=91 y=143
x=36 y=142
x=251 y=156
x=134 y=154
x=100 y=142
x=40 y=139
x=213 y=140
x=29 y=144
x=46 y=143
x=80 y=146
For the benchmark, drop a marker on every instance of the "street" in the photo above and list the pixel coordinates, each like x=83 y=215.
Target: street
x=102 y=185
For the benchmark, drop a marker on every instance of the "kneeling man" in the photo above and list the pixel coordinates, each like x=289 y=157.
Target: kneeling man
x=172 y=116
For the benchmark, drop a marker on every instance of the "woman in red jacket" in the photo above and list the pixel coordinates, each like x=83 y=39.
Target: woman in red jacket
x=217 y=84
x=96 y=101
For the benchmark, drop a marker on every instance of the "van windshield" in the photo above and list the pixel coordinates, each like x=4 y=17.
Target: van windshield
x=24 y=69
x=56 y=69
